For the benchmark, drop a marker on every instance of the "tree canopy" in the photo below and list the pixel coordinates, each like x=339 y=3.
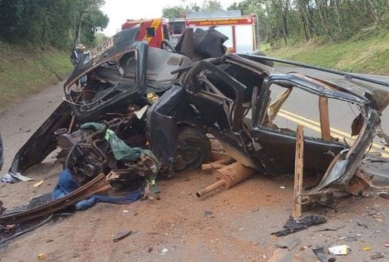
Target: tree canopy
x=58 y=23
x=179 y=10
x=334 y=20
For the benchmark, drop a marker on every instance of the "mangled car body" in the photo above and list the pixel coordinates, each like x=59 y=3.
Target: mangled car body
x=124 y=77
x=236 y=109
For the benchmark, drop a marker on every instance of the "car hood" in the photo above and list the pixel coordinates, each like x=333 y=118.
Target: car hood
x=122 y=42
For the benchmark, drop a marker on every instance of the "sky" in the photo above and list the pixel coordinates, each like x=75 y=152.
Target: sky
x=119 y=11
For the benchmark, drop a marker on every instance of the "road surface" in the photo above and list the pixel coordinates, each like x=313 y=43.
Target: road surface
x=174 y=228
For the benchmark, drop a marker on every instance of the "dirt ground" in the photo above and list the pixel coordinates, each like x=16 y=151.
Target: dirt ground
x=175 y=228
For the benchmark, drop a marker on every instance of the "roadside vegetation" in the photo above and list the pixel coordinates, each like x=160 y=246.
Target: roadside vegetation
x=369 y=55
x=36 y=40
x=25 y=71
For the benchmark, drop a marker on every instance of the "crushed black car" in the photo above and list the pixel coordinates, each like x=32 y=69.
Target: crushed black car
x=237 y=110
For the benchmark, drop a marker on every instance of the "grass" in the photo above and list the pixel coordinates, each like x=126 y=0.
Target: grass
x=25 y=70
x=359 y=55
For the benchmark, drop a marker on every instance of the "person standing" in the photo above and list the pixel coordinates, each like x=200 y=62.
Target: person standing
x=77 y=53
x=75 y=59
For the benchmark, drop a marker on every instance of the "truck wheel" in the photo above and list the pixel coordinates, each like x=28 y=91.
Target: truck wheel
x=193 y=150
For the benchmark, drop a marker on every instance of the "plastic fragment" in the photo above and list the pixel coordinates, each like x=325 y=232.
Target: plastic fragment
x=366 y=248
x=339 y=250
x=38 y=183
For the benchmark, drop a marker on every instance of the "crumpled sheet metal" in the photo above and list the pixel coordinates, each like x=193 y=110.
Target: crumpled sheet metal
x=95 y=186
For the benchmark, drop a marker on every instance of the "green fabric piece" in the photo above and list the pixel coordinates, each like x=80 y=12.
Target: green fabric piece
x=122 y=151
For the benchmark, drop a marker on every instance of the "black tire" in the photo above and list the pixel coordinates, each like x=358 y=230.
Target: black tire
x=193 y=150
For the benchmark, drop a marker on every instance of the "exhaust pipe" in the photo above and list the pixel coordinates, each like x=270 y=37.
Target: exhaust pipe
x=227 y=177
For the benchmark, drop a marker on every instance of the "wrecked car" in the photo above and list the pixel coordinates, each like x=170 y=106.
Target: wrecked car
x=237 y=110
x=124 y=78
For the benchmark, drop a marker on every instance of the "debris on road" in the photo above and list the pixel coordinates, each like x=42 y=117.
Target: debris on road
x=227 y=177
x=362 y=225
x=292 y=226
x=122 y=234
x=288 y=243
x=322 y=255
x=208 y=214
x=339 y=250
x=329 y=229
x=366 y=248
x=377 y=256
x=37 y=184
x=349 y=239
x=42 y=256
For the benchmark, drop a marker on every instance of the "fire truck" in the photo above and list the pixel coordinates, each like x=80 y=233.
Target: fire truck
x=155 y=31
x=240 y=30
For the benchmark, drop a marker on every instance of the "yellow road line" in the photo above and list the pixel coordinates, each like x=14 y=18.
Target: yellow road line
x=315 y=126
x=340 y=132
x=333 y=130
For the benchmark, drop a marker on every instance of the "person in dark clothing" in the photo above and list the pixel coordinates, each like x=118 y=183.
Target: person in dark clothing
x=77 y=53
x=75 y=58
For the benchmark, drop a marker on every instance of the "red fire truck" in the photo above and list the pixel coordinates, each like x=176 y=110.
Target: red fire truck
x=240 y=30
x=154 y=31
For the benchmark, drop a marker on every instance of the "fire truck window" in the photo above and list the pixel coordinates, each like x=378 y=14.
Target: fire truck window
x=150 y=31
x=244 y=36
x=165 y=32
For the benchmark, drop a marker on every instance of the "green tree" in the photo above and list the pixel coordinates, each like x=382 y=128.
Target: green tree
x=94 y=22
x=83 y=8
x=212 y=5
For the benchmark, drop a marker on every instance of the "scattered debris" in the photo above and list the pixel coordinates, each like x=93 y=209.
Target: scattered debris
x=42 y=256
x=339 y=250
x=122 y=234
x=26 y=231
x=362 y=225
x=386 y=245
x=377 y=256
x=292 y=226
x=208 y=214
x=282 y=187
x=37 y=184
x=366 y=248
x=164 y=251
x=125 y=211
x=14 y=177
x=329 y=229
x=289 y=243
x=227 y=177
x=384 y=195
x=322 y=255
x=349 y=239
